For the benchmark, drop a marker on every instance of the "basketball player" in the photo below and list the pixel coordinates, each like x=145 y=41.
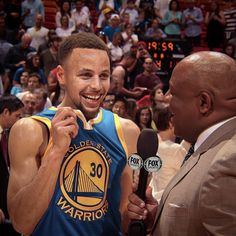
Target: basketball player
x=69 y=173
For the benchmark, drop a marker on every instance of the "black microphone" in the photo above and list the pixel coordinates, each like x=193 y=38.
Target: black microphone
x=147 y=146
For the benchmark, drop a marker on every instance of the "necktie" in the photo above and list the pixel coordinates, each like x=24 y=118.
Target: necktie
x=4 y=146
x=189 y=154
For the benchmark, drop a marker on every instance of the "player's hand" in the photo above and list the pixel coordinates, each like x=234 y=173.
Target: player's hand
x=64 y=128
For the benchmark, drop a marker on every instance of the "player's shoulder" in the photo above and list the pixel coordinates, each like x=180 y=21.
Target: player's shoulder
x=27 y=127
x=129 y=126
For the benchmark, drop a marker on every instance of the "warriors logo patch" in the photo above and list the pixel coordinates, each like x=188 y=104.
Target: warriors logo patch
x=83 y=182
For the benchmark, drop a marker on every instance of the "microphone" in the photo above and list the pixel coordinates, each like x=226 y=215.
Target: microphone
x=147 y=146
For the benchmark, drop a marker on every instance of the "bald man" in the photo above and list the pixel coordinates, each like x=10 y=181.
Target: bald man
x=17 y=54
x=200 y=199
x=118 y=78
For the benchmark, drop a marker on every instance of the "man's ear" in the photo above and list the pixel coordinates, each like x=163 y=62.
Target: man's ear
x=61 y=75
x=6 y=112
x=206 y=103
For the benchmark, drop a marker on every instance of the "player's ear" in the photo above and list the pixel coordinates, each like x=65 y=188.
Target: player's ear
x=61 y=75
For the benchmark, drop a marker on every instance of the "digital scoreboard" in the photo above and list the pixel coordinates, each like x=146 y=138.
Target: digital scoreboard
x=167 y=53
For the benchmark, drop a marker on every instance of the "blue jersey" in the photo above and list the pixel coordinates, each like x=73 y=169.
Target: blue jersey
x=86 y=199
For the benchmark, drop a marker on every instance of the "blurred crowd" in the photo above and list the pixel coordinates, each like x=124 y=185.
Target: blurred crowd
x=29 y=49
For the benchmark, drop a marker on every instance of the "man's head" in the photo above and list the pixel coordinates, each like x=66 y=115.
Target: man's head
x=26 y=40
x=84 y=72
x=120 y=106
x=38 y=20
x=108 y=101
x=33 y=81
x=203 y=90
x=191 y=3
x=10 y=110
x=115 y=20
x=29 y=101
x=117 y=79
x=24 y=78
x=148 y=65
x=41 y=99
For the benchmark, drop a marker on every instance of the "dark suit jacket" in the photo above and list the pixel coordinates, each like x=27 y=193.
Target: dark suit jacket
x=6 y=229
x=200 y=199
x=4 y=176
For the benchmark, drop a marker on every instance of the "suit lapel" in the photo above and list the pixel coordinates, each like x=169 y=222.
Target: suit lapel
x=214 y=138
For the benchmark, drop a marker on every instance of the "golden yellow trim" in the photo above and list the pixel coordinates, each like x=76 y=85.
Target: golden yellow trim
x=120 y=133
x=52 y=108
x=98 y=119
x=49 y=146
x=44 y=120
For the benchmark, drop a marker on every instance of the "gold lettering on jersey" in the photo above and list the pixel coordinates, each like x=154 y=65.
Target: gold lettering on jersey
x=92 y=144
x=84 y=180
x=81 y=215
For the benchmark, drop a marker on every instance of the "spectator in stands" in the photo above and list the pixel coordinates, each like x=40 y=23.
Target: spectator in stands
x=38 y=32
x=22 y=86
x=230 y=18
x=143 y=117
x=160 y=7
x=33 y=83
x=129 y=37
x=81 y=15
x=65 y=9
x=46 y=45
x=102 y=8
x=109 y=30
x=131 y=108
x=233 y=41
x=32 y=65
x=120 y=106
x=17 y=55
x=115 y=48
x=108 y=101
x=215 y=22
x=148 y=7
x=49 y=57
x=229 y=49
x=117 y=84
x=131 y=10
x=29 y=9
x=148 y=78
x=5 y=85
x=172 y=20
x=29 y=101
x=52 y=81
x=64 y=30
x=141 y=25
x=155 y=32
x=133 y=63
x=192 y=20
x=155 y=99
x=171 y=153
x=10 y=112
x=4 y=45
x=41 y=96
x=125 y=20
x=13 y=20
x=107 y=12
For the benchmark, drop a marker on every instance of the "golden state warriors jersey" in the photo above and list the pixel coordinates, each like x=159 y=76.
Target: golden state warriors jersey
x=87 y=194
